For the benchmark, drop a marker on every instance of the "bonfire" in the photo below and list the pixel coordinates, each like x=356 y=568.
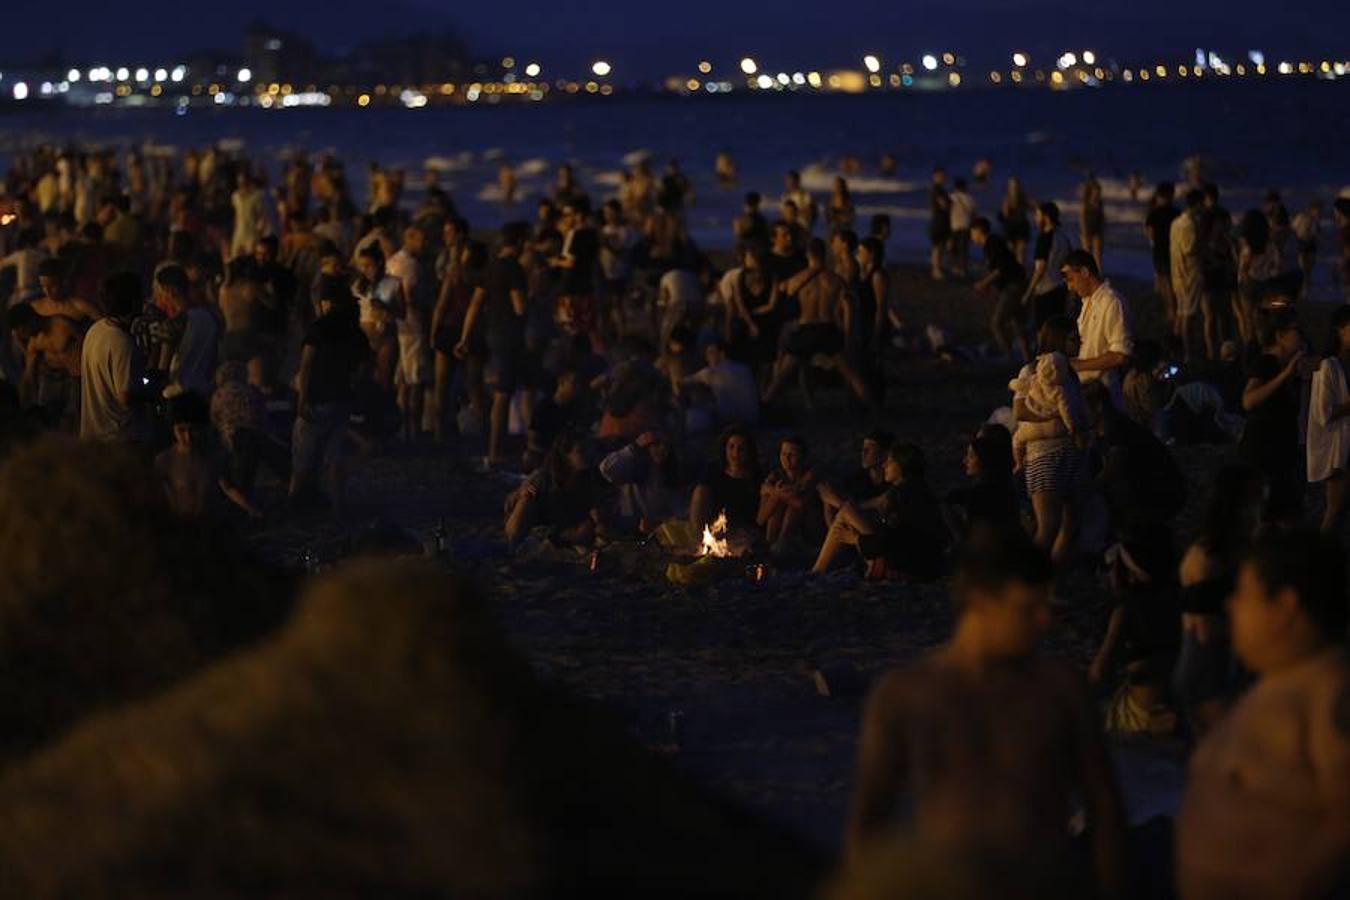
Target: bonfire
x=715 y=541
x=718 y=547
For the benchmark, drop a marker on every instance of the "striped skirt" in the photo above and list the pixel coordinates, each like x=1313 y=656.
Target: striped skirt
x=1054 y=471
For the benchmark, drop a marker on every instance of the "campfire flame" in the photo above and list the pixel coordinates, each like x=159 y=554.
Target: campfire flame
x=715 y=537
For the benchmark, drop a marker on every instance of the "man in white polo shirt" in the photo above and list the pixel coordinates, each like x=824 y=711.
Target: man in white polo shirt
x=1104 y=326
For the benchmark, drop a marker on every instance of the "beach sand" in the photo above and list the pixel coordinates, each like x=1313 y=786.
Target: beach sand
x=732 y=664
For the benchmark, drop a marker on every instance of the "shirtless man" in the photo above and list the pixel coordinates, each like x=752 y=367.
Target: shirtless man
x=51 y=351
x=823 y=331
x=1267 y=810
x=54 y=302
x=239 y=307
x=985 y=739
x=191 y=477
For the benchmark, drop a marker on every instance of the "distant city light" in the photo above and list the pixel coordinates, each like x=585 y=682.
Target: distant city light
x=601 y=68
x=930 y=61
x=798 y=78
x=1019 y=59
x=245 y=75
x=20 y=90
x=533 y=70
x=954 y=79
x=123 y=73
x=765 y=82
x=813 y=79
x=142 y=74
x=749 y=66
x=1257 y=57
x=161 y=74
x=73 y=76
x=179 y=73
x=509 y=62
x=1089 y=58
x=705 y=67
x=872 y=63
x=1068 y=59
x=784 y=78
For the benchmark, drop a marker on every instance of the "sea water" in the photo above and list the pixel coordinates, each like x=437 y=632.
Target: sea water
x=1253 y=134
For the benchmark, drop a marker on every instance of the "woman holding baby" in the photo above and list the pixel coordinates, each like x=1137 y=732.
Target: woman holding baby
x=1051 y=432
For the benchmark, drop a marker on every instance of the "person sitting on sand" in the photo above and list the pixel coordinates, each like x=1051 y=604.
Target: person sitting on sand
x=192 y=478
x=901 y=530
x=824 y=325
x=986 y=740
x=1054 y=403
x=990 y=500
x=1266 y=811
x=561 y=496
x=729 y=484
x=789 y=503
x=866 y=483
x=734 y=394
x=567 y=407
x=647 y=473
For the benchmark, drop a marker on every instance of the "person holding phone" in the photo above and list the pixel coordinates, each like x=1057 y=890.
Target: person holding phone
x=1271 y=401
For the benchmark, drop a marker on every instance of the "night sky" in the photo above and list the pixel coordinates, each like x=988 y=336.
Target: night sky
x=648 y=40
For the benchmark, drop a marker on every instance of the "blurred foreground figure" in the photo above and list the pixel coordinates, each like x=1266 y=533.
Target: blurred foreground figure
x=385 y=743
x=984 y=741
x=105 y=596
x=1267 y=810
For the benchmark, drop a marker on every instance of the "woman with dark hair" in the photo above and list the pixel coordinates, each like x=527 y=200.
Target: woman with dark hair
x=1329 y=420
x=1258 y=265
x=901 y=531
x=647 y=474
x=1271 y=401
x=789 y=499
x=753 y=319
x=991 y=498
x=841 y=212
x=561 y=495
x=1052 y=464
x=1205 y=674
x=447 y=321
x=730 y=484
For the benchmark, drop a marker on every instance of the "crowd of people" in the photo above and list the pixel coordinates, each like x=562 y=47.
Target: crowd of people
x=182 y=308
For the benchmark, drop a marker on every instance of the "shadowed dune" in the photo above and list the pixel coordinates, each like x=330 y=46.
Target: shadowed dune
x=104 y=595
x=386 y=743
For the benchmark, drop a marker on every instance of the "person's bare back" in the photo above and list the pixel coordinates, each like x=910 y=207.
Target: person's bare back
x=1267 y=810
x=68 y=307
x=988 y=757
x=238 y=305
x=58 y=347
x=821 y=296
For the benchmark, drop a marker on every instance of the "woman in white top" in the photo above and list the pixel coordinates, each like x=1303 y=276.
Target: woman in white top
x=1329 y=421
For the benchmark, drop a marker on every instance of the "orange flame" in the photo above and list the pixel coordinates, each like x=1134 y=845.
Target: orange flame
x=715 y=537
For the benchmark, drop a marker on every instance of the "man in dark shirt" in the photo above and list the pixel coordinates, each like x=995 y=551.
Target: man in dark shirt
x=750 y=225
x=1046 y=293
x=1006 y=278
x=866 y=482
x=940 y=226
x=334 y=352
x=501 y=304
x=1158 y=228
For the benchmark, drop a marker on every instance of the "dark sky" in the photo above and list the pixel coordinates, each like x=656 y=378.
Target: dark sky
x=648 y=40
